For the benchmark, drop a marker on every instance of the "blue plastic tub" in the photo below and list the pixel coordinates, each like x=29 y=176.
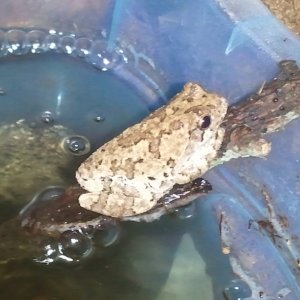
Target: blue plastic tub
x=230 y=47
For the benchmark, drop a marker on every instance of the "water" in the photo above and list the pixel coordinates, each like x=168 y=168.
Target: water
x=178 y=257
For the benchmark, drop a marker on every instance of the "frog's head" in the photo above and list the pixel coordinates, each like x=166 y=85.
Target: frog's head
x=205 y=113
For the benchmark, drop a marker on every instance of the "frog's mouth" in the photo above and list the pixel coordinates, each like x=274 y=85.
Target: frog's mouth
x=56 y=209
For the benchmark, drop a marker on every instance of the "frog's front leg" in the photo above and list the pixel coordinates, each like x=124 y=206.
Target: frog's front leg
x=180 y=195
x=115 y=204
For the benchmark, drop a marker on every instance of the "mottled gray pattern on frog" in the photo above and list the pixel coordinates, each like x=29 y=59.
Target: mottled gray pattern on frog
x=175 y=144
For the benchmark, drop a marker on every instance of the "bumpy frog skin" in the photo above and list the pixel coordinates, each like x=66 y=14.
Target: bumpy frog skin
x=174 y=145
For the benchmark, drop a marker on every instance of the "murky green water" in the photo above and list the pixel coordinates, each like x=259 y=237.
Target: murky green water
x=169 y=259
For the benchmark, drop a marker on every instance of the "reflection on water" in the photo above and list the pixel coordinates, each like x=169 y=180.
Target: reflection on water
x=171 y=258
x=163 y=260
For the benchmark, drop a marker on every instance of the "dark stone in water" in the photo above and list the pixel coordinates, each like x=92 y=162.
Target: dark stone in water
x=60 y=214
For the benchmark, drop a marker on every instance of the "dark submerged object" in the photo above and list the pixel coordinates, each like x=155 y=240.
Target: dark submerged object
x=54 y=227
x=62 y=212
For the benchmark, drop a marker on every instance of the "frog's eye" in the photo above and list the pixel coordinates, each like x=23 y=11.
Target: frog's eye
x=206 y=121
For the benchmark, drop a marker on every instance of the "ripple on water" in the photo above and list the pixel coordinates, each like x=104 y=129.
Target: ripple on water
x=76 y=145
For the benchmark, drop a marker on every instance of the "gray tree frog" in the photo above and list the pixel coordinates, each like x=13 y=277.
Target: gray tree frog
x=173 y=145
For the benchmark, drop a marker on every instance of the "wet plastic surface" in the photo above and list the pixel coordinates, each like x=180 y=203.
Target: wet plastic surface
x=230 y=48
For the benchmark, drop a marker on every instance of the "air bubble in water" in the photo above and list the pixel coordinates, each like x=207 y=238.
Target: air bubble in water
x=67 y=44
x=83 y=47
x=47 y=117
x=107 y=236
x=16 y=42
x=19 y=42
x=52 y=41
x=47 y=194
x=52 y=31
x=74 y=246
x=50 y=193
x=98 y=118
x=76 y=145
x=186 y=212
x=237 y=290
x=36 y=40
x=3 y=49
x=50 y=253
x=101 y=58
x=96 y=115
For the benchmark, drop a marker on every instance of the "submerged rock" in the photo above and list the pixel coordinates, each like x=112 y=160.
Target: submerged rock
x=31 y=158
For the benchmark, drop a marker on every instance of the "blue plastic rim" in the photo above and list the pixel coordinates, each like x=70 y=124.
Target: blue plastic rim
x=228 y=46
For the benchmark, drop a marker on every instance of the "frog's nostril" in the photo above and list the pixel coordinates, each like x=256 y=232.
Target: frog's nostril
x=206 y=121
